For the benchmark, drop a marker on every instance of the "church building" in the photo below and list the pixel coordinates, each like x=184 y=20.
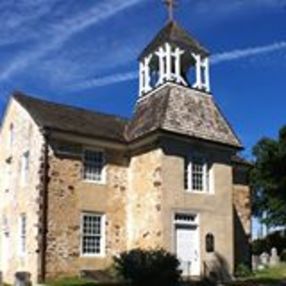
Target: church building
x=78 y=187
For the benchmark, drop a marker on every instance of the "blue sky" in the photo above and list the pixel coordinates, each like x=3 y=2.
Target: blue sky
x=85 y=52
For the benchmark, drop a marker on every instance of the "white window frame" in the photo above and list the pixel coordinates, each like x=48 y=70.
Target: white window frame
x=102 y=180
x=102 y=234
x=206 y=175
x=25 y=167
x=22 y=235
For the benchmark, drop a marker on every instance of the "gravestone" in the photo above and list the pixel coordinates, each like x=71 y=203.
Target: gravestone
x=255 y=262
x=274 y=258
x=264 y=258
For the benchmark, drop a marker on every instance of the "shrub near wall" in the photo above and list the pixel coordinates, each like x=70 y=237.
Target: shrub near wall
x=148 y=267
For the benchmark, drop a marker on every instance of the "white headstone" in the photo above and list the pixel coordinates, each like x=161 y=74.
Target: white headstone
x=264 y=258
x=274 y=258
x=255 y=262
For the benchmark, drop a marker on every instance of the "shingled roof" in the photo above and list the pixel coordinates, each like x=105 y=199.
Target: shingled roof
x=172 y=108
x=182 y=111
x=172 y=33
x=71 y=119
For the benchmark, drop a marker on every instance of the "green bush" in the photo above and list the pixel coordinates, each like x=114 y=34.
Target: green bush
x=148 y=267
x=243 y=270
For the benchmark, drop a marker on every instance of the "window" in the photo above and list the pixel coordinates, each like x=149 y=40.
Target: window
x=183 y=218
x=5 y=225
x=93 y=234
x=25 y=164
x=22 y=234
x=196 y=174
x=11 y=136
x=8 y=178
x=94 y=162
x=210 y=243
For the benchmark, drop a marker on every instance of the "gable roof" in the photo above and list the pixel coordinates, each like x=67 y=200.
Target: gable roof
x=174 y=34
x=183 y=111
x=71 y=119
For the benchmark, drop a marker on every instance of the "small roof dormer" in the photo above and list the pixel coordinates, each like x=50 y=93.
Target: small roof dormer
x=174 y=56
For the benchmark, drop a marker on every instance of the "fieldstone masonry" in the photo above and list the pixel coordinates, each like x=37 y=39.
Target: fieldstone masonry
x=69 y=196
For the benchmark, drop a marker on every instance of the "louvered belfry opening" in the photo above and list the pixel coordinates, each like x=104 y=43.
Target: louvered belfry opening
x=174 y=56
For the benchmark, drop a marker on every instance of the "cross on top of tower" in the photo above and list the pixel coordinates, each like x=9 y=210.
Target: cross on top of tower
x=171 y=4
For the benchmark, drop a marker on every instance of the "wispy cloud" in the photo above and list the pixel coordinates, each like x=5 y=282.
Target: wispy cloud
x=107 y=80
x=249 y=52
x=18 y=19
x=229 y=8
x=215 y=60
x=60 y=33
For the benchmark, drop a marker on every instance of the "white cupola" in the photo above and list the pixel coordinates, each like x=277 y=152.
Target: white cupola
x=174 y=56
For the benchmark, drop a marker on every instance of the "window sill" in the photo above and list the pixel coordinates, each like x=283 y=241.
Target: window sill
x=100 y=183
x=100 y=256
x=199 y=192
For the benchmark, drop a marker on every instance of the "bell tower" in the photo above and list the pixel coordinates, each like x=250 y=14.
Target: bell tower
x=173 y=56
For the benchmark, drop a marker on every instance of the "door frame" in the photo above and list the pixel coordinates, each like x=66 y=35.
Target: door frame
x=195 y=222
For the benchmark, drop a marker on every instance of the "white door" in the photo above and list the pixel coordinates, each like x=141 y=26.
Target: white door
x=187 y=248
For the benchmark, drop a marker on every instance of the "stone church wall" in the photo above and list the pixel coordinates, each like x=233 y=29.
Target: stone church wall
x=140 y=197
x=145 y=195
x=16 y=197
x=69 y=196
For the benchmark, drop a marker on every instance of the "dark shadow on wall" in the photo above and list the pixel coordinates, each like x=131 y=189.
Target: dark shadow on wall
x=242 y=214
x=242 y=246
x=216 y=270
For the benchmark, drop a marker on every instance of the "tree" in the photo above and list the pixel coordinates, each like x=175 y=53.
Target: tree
x=268 y=178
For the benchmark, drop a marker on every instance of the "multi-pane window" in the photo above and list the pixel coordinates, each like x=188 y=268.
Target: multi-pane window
x=94 y=163
x=196 y=174
x=25 y=164
x=93 y=234
x=185 y=218
x=22 y=234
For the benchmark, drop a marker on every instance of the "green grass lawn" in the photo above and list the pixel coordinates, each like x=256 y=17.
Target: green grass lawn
x=271 y=276
x=278 y=272
x=78 y=282
x=71 y=282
